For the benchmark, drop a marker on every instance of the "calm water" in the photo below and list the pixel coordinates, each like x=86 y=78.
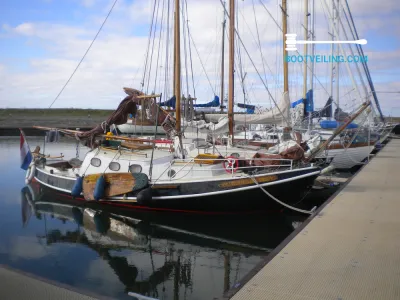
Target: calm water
x=113 y=252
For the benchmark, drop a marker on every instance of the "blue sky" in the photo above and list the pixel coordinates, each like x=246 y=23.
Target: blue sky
x=42 y=41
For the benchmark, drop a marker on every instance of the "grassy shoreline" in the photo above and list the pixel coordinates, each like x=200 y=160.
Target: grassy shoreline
x=7 y=112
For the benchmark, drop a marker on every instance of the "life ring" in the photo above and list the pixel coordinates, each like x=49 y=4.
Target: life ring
x=30 y=173
x=231 y=164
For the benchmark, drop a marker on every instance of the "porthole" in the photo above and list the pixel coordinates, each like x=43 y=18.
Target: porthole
x=95 y=162
x=171 y=173
x=114 y=166
x=135 y=168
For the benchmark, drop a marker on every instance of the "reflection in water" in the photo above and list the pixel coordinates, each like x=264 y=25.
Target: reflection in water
x=157 y=255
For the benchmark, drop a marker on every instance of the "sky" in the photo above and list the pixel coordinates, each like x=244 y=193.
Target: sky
x=42 y=42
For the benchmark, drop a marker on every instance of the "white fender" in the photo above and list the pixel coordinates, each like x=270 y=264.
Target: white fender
x=30 y=173
x=32 y=193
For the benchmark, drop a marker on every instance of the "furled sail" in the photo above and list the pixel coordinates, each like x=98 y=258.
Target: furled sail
x=214 y=103
x=276 y=115
x=172 y=103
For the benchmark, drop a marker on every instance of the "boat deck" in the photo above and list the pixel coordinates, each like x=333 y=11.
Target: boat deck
x=349 y=250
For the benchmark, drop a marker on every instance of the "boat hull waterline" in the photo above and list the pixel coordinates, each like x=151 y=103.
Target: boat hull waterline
x=232 y=194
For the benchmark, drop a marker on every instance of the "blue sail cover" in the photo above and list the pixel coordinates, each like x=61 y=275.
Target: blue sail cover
x=331 y=124
x=214 y=103
x=294 y=104
x=171 y=102
x=308 y=102
x=249 y=108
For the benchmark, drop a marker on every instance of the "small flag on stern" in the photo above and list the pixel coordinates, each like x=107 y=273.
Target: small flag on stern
x=25 y=152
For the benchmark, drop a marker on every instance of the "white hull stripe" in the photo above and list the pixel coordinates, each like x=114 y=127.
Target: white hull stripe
x=199 y=195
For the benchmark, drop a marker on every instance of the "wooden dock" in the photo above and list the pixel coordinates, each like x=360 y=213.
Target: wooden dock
x=349 y=250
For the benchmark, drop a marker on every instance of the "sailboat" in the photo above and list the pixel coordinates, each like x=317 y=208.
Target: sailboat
x=349 y=149
x=136 y=173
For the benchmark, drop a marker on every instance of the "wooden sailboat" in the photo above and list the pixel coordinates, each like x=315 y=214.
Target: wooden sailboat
x=173 y=179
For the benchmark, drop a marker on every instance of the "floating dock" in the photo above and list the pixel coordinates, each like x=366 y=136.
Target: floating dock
x=350 y=249
x=18 y=285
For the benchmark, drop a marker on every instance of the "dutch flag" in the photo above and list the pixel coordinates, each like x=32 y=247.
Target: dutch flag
x=25 y=152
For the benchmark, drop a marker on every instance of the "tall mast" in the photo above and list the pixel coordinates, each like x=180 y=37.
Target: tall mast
x=177 y=69
x=337 y=53
x=285 y=62
x=305 y=48
x=332 y=48
x=312 y=62
x=223 y=61
x=231 y=64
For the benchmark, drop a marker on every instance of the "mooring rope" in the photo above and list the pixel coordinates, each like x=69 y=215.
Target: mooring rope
x=309 y=212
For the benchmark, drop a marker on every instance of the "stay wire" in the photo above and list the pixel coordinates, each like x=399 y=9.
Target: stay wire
x=87 y=51
x=148 y=45
x=190 y=50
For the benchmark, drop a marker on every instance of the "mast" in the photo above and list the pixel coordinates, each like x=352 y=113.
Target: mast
x=337 y=53
x=177 y=67
x=223 y=61
x=332 y=23
x=285 y=61
x=306 y=14
x=305 y=48
x=231 y=65
x=312 y=62
x=313 y=45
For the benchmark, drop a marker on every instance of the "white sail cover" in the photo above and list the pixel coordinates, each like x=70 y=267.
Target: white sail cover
x=202 y=126
x=276 y=115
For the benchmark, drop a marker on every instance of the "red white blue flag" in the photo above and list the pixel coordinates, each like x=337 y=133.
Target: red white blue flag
x=25 y=152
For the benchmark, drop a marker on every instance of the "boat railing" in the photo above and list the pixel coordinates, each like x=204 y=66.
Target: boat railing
x=231 y=165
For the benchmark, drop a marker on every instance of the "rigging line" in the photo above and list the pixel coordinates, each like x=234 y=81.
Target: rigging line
x=87 y=51
x=185 y=51
x=202 y=65
x=351 y=49
x=258 y=73
x=159 y=46
x=271 y=15
x=365 y=65
x=352 y=52
x=190 y=50
x=148 y=45
x=259 y=42
x=309 y=67
x=239 y=56
x=152 y=47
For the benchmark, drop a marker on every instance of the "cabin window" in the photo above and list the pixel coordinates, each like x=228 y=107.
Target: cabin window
x=237 y=155
x=135 y=168
x=171 y=173
x=114 y=166
x=95 y=162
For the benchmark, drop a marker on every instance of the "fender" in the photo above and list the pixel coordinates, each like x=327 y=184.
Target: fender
x=30 y=173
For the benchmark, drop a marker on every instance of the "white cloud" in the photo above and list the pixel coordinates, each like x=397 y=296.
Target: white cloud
x=88 y=3
x=117 y=56
x=26 y=248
